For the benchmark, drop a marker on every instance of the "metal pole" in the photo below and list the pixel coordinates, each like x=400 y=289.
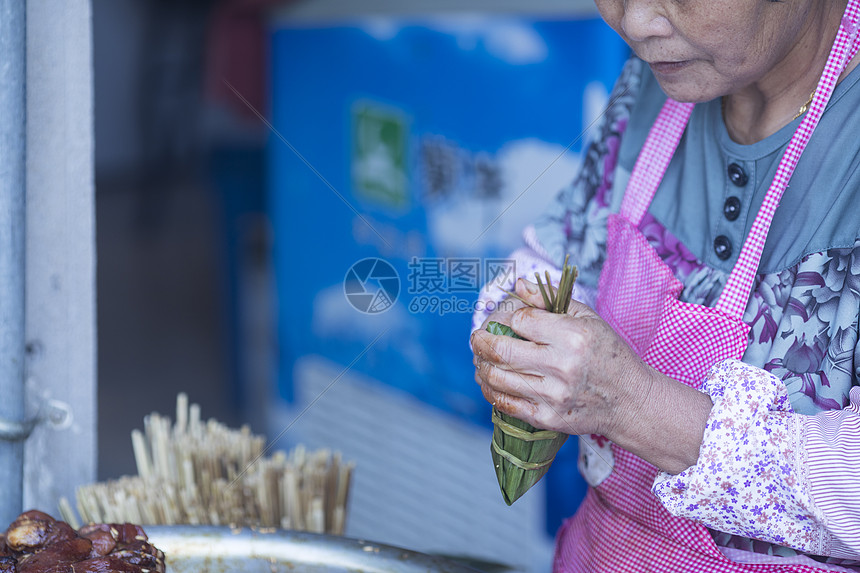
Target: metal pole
x=12 y=213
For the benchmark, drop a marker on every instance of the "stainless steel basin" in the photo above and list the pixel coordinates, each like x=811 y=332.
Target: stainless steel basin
x=225 y=550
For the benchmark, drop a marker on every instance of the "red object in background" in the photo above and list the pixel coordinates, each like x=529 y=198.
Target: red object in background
x=237 y=54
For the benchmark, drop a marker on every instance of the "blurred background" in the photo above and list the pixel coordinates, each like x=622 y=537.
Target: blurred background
x=249 y=152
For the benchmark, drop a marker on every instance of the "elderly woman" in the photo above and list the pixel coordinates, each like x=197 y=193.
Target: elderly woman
x=710 y=357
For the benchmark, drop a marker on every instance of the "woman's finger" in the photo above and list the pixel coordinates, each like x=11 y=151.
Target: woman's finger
x=520 y=408
x=513 y=382
x=509 y=353
x=534 y=409
x=538 y=326
x=503 y=389
x=530 y=293
x=504 y=310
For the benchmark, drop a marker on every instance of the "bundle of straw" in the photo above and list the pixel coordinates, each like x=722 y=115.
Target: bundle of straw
x=203 y=473
x=522 y=453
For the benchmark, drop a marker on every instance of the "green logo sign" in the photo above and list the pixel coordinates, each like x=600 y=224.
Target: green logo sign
x=379 y=154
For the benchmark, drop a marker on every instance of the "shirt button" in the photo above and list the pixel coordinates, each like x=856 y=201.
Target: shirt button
x=732 y=208
x=722 y=247
x=737 y=175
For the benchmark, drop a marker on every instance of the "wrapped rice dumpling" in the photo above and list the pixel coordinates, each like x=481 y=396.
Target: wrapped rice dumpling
x=522 y=453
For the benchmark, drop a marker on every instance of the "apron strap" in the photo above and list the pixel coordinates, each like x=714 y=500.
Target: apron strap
x=654 y=158
x=736 y=292
x=666 y=134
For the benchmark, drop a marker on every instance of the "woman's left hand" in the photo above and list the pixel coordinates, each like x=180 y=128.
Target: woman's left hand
x=571 y=374
x=575 y=374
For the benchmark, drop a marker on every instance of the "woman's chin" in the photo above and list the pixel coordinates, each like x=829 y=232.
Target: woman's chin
x=688 y=92
x=685 y=82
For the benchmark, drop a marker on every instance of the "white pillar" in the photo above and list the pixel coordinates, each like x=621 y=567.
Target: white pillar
x=12 y=209
x=60 y=254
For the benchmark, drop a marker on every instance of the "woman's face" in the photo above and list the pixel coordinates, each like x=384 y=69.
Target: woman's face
x=702 y=49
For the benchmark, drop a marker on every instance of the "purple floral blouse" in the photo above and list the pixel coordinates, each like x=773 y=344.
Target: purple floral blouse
x=751 y=485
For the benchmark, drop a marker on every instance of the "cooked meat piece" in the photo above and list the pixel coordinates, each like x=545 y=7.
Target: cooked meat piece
x=34 y=515
x=128 y=532
x=60 y=531
x=89 y=528
x=103 y=540
x=85 y=530
x=141 y=558
x=4 y=549
x=8 y=564
x=125 y=541
x=28 y=531
x=109 y=564
x=57 y=557
x=33 y=530
x=37 y=543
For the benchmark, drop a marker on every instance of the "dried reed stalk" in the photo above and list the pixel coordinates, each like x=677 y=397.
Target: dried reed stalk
x=199 y=472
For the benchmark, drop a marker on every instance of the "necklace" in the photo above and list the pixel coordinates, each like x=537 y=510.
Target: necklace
x=803 y=109
x=805 y=106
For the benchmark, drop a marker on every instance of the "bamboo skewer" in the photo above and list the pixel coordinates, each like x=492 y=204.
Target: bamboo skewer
x=203 y=473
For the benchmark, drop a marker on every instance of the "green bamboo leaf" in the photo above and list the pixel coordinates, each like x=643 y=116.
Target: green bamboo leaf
x=502 y=329
x=521 y=453
x=520 y=463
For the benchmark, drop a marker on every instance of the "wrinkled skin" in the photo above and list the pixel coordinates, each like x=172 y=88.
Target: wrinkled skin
x=565 y=376
x=765 y=57
x=574 y=374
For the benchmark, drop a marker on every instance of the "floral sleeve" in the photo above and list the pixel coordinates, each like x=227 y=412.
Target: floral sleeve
x=526 y=261
x=767 y=473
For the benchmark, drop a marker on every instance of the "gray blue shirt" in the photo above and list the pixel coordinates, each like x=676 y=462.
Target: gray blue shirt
x=805 y=303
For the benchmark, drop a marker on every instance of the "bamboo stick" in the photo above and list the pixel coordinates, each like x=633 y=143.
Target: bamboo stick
x=202 y=472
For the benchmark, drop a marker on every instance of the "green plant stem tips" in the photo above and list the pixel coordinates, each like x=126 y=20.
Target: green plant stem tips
x=522 y=453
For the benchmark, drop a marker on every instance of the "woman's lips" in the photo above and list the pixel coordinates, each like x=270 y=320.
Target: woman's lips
x=669 y=67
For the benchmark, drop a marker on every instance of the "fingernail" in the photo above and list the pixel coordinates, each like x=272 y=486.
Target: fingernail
x=532 y=288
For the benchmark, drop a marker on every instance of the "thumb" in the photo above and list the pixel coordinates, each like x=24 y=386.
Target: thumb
x=529 y=292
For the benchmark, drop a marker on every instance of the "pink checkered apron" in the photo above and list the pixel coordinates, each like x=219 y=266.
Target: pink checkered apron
x=621 y=526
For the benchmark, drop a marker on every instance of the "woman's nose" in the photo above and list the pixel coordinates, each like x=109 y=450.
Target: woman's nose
x=644 y=19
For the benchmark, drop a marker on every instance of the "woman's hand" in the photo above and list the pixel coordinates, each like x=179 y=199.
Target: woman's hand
x=568 y=375
x=504 y=312
x=574 y=374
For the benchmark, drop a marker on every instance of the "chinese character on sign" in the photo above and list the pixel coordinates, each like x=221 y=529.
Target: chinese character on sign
x=488 y=177
x=464 y=275
x=500 y=273
x=426 y=276
x=440 y=168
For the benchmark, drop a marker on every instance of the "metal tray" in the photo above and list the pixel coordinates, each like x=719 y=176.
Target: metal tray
x=225 y=550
